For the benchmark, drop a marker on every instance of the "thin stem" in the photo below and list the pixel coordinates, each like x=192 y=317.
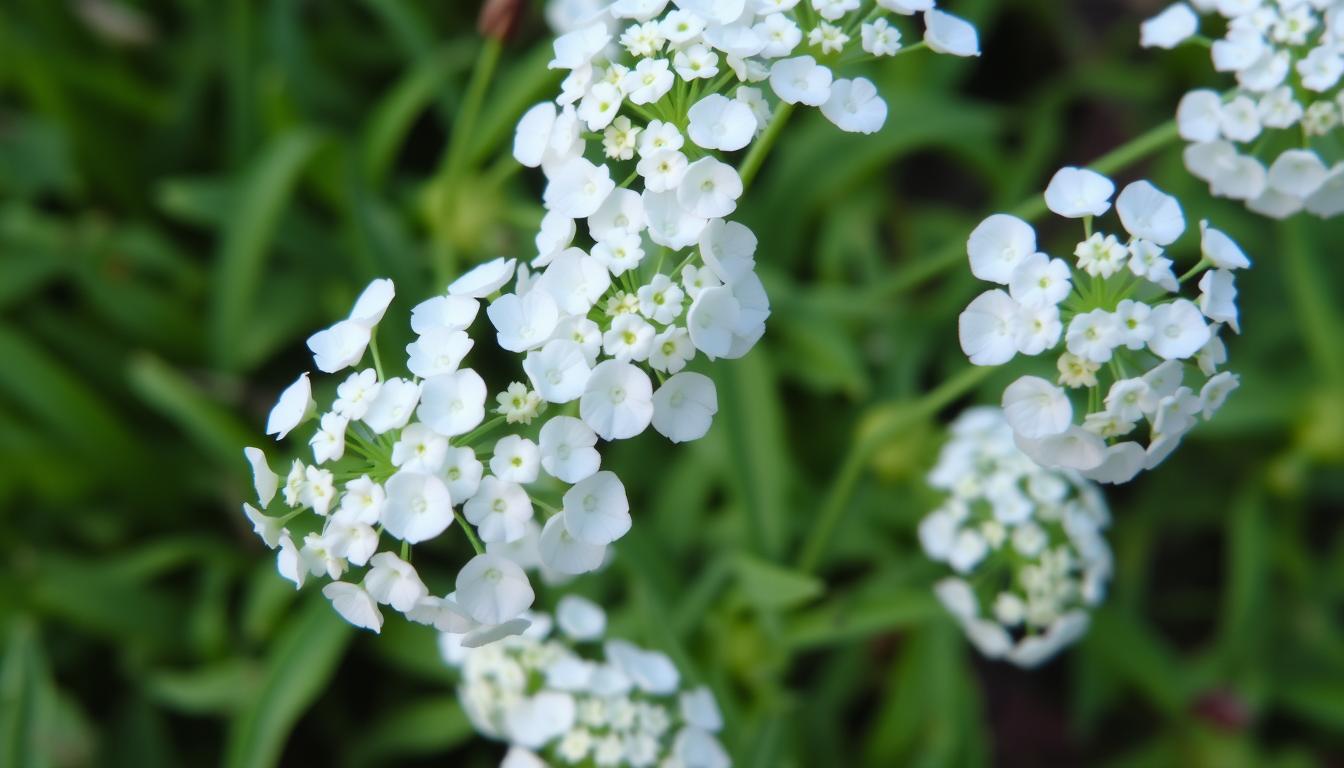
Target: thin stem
x=1321 y=324
x=1030 y=209
x=377 y=360
x=870 y=436
x=471 y=533
x=487 y=61
x=752 y=164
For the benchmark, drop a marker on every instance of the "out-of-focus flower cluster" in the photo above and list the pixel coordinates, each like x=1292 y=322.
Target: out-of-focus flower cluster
x=1132 y=349
x=1274 y=139
x=405 y=456
x=1025 y=543
x=568 y=698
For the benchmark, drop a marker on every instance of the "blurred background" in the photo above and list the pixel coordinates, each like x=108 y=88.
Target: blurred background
x=188 y=189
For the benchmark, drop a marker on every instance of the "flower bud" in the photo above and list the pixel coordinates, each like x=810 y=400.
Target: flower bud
x=499 y=19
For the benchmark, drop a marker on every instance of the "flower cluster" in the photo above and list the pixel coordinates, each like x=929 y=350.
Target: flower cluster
x=649 y=271
x=555 y=702
x=1025 y=542
x=1273 y=140
x=1130 y=340
x=407 y=456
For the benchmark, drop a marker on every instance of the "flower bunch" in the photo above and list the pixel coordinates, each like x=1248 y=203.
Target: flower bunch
x=1273 y=140
x=1129 y=338
x=1025 y=542
x=406 y=456
x=659 y=274
x=551 y=695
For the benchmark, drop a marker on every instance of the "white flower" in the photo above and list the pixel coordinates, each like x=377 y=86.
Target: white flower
x=1179 y=330
x=1321 y=68
x=879 y=38
x=1169 y=28
x=581 y=619
x=578 y=48
x=1218 y=297
x=696 y=63
x=998 y=245
x=354 y=605
x=532 y=136
x=578 y=188
x=662 y=170
x=617 y=401
x=988 y=328
x=596 y=510
x=1199 y=116
x=709 y=189
x=340 y=346
x=855 y=106
x=949 y=34
x=268 y=529
x=1040 y=280
x=484 y=279
x=1297 y=173
x=780 y=34
x=575 y=281
x=1150 y=214
x=438 y=350
x=1035 y=408
x=672 y=350
x=462 y=473
x=621 y=214
x=492 y=589
x=1132 y=320
x=713 y=316
x=1215 y=392
x=1078 y=192
x=567 y=449
x=600 y=105
x=264 y=480
x=684 y=407
x=559 y=370
x=717 y=122
x=356 y=394
x=1101 y=255
x=1146 y=261
x=562 y=552
x=393 y=581
x=454 y=403
x=1093 y=335
x=1240 y=119
x=661 y=300
x=523 y=322
x=500 y=509
x=516 y=459
x=801 y=80
x=393 y=405
x=418 y=507
x=329 y=442
x=670 y=224
x=1038 y=328
x=1220 y=250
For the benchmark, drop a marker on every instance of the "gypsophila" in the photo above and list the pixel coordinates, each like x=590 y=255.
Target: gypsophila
x=1272 y=140
x=1025 y=543
x=565 y=697
x=1137 y=361
x=403 y=457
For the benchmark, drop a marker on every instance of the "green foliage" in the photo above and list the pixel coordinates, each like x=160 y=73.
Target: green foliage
x=179 y=211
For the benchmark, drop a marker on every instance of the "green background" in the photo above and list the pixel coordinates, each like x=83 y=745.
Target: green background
x=180 y=209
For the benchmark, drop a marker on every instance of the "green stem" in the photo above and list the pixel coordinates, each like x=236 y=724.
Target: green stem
x=1307 y=284
x=487 y=61
x=1030 y=209
x=871 y=435
x=471 y=533
x=377 y=360
x=752 y=164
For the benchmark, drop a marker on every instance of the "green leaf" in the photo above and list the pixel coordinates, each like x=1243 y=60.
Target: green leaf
x=217 y=688
x=22 y=702
x=429 y=726
x=772 y=587
x=259 y=200
x=303 y=659
x=213 y=428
